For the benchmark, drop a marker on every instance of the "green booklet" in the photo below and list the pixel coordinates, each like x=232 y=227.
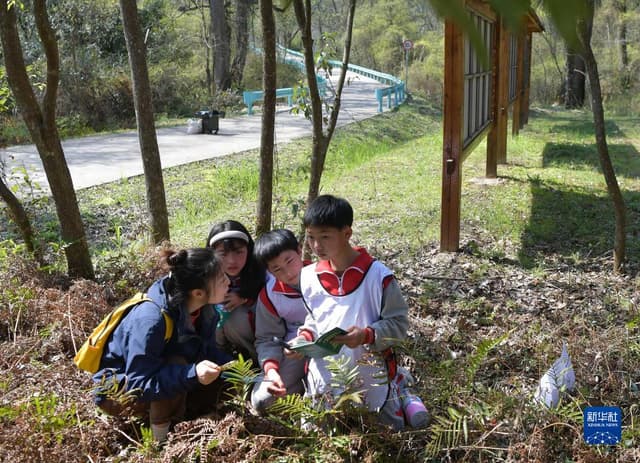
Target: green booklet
x=321 y=347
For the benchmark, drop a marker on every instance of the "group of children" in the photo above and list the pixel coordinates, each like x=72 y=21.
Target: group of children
x=259 y=299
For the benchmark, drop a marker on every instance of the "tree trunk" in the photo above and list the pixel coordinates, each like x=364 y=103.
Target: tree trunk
x=584 y=34
x=207 y=52
x=626 y=78
x=221 y=48
x=19 y=216
x=243 y=9
x=621 y=8
x=142 y=99
x=575 y=83
x=303 y=16
x=42 y=127
x=320 y=139
x=265 y=193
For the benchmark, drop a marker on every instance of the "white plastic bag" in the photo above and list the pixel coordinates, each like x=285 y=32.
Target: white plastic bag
x=194 y=126
x=558 y=379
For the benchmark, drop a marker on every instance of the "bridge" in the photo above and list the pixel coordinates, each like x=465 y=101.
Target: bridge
x=393 y=88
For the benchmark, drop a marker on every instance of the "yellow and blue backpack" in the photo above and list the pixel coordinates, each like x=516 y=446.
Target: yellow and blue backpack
x=89 y=355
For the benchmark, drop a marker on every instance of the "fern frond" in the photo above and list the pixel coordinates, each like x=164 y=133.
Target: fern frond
x=447 y=431
x=293 y=406
x=345 y=379
x=571 y=412
x=480 y=354
x=110 y=388
x=241 y=376
x=353 y=397
x=343 y=376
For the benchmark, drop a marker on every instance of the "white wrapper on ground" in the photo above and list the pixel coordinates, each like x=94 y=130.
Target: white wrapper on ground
x=559 y=378
x=194 y=126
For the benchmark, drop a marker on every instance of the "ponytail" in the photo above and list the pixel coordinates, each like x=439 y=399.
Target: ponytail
x=189 y=269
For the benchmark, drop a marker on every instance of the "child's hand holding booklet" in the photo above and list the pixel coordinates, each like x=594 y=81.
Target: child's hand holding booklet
x=321 y=347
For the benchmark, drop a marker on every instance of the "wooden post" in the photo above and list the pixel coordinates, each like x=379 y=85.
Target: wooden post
x=497 y=137
x=503 y=94
x=452 y=143
x=527 y=89
x=516 y=123
x=491 y=170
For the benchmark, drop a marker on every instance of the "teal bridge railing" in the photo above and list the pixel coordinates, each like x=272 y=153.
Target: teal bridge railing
x=251 y=96
x=394 y=90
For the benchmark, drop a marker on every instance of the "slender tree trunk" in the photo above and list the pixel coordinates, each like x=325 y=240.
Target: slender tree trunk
x=265 y=193
x=207 y=53
x=221 y=47
x=318 y=152
x=625 y=80
x=622 y=38
x=41 y=123
x=575 y=81
x=19 y=216
x=584 y=34
x=621 y=8
x=142 y=99
x=243 y=9
x=320 y=139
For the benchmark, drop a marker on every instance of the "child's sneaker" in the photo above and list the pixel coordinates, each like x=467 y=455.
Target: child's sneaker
x=415 y=412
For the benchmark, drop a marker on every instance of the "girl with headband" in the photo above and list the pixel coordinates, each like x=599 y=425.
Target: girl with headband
x=233 y=245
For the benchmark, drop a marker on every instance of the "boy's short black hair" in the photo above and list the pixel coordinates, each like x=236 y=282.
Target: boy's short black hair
x=273 y=243
x=329 y=211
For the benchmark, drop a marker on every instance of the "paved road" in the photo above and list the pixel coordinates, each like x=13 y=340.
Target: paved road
x=104 y=158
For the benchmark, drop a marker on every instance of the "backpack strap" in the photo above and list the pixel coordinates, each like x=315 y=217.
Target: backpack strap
x=168 y=321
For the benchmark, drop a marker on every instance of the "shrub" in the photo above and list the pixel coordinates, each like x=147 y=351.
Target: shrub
x=176 y=90
x=426 y=77
x=287 y=75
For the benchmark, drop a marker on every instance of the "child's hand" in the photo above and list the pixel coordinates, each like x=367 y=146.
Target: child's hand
x=277 y=387
x=292 y=354
x=355 y=337
x=233 y=301
x=207 y=372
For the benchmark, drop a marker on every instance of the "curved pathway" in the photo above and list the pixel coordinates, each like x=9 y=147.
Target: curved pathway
x=104 y=158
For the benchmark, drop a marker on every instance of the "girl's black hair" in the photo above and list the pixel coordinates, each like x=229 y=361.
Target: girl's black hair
x=189 y=269
x=271 y=244
x=329 y=211
x=252 y=275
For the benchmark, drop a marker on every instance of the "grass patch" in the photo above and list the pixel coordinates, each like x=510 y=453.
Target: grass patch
x=550 y=196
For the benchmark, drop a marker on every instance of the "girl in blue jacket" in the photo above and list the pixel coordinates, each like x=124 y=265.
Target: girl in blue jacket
x=168 y=379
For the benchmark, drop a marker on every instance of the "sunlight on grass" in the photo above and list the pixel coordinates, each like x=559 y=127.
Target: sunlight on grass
x=550 y=195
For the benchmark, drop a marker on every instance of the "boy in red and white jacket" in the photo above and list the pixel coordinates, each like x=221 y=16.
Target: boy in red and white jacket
x=280 y=312
x=349 y=289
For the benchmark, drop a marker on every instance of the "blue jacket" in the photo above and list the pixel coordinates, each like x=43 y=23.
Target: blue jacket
x=137 y=351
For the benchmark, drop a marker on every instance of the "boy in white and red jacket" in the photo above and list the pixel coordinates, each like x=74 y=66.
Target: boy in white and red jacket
x=280 y=312
x=349 y=289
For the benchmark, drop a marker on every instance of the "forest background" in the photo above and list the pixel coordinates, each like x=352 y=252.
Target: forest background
x=95 y=84
x=486 y=322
